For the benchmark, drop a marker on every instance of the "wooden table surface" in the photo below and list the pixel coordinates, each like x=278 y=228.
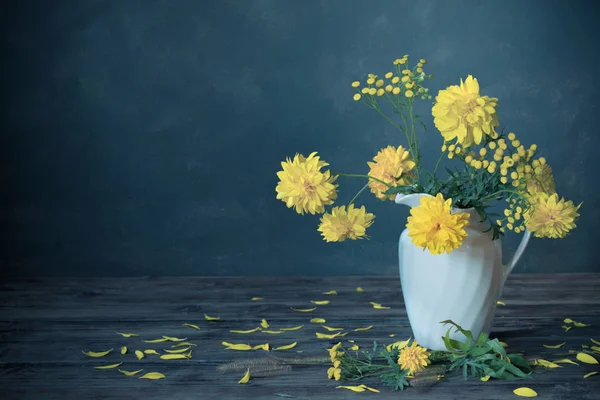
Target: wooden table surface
x=46 y=323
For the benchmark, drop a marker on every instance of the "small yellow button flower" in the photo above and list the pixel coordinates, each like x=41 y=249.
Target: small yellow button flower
x=364 y=90
x=423 y=61
x=395 y=80
x=450 y=155
x=486 y=163
x=491 y=168
x=370 y=81
x=405 y=71
x=396 y=90
x=503 y=171
x=509 y=226
x=356 y=97
x=533 y=147
x=408 y=93
x=444 y=148
x=482 y=151
x=419 y=70
x=380 y=92
x=497 y=157
x=515 y=157
x=515 y=183
x=389 y=88
x=451 y=147
x=389 y=75
x=355 y=84
x=510 y=163
x=519 y=209
x=503 y=179
x=421 y=90
x=515 y=143
x=492 y=145
x=410 y=85
x=379 y=83
x=542 y=161
x=507 y=213
x=405 y=78
x=511 y=220
x=511 y=136
x=468 y=159
x=372 y=91
x=457 y=150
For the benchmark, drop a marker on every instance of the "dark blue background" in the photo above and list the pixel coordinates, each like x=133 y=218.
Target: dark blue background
x=143 y=137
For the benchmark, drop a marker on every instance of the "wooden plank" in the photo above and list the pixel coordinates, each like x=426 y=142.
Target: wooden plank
x=46 y=323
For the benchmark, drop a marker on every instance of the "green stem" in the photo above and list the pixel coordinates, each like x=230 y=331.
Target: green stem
x=362 y=176
x=357 y=194
x=438 y=163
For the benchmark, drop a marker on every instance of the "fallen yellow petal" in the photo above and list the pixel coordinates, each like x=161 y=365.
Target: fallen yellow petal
x=353 y=388
x=182 y=350
x=139 y=354
x=585 y=346
x=109 y=366
x=586 y=358
x=156 y=340
x=485 y=378
x=246 y=377
x=360 y=290
x=173 y=339
x=320 y=302
x=525 y=392
x=264 y=346
x=565 y=361
x=304 y=309
x=318 y=321
x=151 y=351
x=124 y=350
x=331 y=329
x=152 y=375
x=174 y=356
x=191 y=326
x=130 y=373
x=590 y=374
x=295 y=328
x=392 y=334
x=209 y=318
x=331 y=292
x=256 y=298
x=286 y=347
x=595 y=341
x=127 y=334
x=546 y=363
x=595 y=348
x=364 y=329
x=264 y=323
x=500 y=303
x=379 y=307
x=568 y=321
x=96 y=354
x=567 y=328
x=369 y=388
x=556 y=346
x=354 y=347
x=351 y=340
x=248 y=331
x=581 y=324
x=239 y=346
x=184 y=344
x=330 y=336
x=272 y=332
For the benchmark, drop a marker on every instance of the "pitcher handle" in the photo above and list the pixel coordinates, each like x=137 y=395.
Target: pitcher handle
x=520 y=250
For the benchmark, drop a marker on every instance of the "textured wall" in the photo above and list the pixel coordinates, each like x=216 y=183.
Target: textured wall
x=143 y=137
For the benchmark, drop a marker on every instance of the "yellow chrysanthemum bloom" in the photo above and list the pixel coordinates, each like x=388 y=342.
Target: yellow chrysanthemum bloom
x=413 y=358
x=392 y=165
x=551 y=217
x=542 y=182
x=460 y=112
x=304 y=186
x=432 y=225
x=341 y=224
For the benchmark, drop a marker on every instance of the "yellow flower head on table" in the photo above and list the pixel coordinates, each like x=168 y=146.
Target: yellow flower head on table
x=551 y=217
x=461 y=113
x=304 y=186
x=342 y=224
x=393 y=166
x=432 y=225
x=414 y=358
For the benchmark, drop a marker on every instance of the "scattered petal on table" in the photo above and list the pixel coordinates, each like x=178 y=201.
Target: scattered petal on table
x=237 y=346
x=174 y=339
x=546 y=363
x=152 y=375
x=485 y=378
x=286 y=347
x=332 y=329
x=129 y=373
x=581 y=324
x=353 y=388
x=139 y=354
x=318 y=321
x=96 y=354
x=264 y=323
x=156 y=340
x=320 y=302
x=333 y=292
x=565 y=361
x=265 y=347
x=182 y=350
x=246 y=377
x=191 y=326
x=248 y=331
x=366 y=328
x=304 y=309
x=586 y=358
x=557 y=346
x=151 y=351
x=369 y=388
x=525 y=392
x=256 y=298
x=127 y=334
x=209 y=318
x=272 y=332
x=111 y=366
x=184 y=344
x=500 y=303
x=174 y=356
x=590 y=374
x=360 y=290
x=294 y=328
x=567 y=328
x=124 y=350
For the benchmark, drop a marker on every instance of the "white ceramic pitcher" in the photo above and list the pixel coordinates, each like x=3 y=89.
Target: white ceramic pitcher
x=462 y=286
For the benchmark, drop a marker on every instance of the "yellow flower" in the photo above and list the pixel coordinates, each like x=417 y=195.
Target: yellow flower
x=413 y=358
x=341 y=224
x=408 y=93
x=364 y=90
x=372 y=91
x=542 y=182
x=304 y=186
x=433 y=226
x=355 y=84
x=405 y=79
x=395 y=80
x=461 y=113
x=370 y=81
x=389 y=75
x=396 y=90
x=356 y=97
x=335 y=373
x=551 y=217
x=389 y=88
x=392 y=165
x=379 y=83
x=380 y=92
